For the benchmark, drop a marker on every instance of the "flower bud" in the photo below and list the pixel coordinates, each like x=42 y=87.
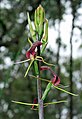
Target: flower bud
x=39 y=20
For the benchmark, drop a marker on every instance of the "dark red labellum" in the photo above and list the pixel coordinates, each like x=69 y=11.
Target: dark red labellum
x=55 y=80
x=42 y=68
x=31 y=51
x=35 y=101
x=28 y=54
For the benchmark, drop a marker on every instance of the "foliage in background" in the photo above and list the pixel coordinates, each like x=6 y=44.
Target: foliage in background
x=13 y=45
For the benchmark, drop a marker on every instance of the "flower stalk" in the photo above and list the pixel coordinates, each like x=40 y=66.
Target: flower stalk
x=39 y=90
x=39 y=36
x=39 y=25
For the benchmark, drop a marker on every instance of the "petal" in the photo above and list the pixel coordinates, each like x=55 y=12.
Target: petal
x=36 y=44
x=31 y=51
x=35 y=101
x=55 y=81
x=42 y=68
x=47 y=68
x=28 y=54
x=34 y=53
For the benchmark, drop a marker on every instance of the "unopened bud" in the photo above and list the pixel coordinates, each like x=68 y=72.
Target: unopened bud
x=39 y=20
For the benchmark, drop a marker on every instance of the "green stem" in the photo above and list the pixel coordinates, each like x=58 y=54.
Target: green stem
x=39 y=90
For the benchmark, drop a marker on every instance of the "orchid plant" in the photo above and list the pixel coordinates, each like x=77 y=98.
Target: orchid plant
x=39 y=36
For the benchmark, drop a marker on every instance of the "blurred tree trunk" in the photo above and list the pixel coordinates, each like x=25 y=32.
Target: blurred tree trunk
x=58 y=53
x=71 y=61
x=71 y=76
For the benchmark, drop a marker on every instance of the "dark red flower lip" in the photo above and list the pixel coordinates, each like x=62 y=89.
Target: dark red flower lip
x=28 y=54
x=42 y=68
x=36 y=44
x=35 y=101
x=31 y=52
x=55 y=80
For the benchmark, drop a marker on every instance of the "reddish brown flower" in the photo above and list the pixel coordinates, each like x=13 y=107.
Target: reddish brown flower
x=31 y=52
x=42 y=68
x=55 y=80
x=35 y=101
x=47 y=68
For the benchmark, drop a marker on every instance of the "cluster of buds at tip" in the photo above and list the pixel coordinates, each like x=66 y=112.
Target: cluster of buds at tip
x=55 y=80
x=31 y=53
x=39 y=20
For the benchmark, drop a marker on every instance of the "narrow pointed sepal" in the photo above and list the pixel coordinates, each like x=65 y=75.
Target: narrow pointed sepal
x=65 y=91
x=28 y=68
x=20 y=62
x=22 y=103
x=45 y=36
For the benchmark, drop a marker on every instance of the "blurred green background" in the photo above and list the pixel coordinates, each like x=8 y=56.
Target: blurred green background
x=14 y=33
